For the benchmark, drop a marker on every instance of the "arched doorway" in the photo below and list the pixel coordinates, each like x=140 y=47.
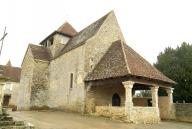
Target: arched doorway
x=116 y=100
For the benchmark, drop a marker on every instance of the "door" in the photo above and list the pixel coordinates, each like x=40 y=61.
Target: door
x=6 y=100
x=116 y=100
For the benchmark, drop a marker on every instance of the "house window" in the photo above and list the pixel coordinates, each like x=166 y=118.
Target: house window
x=116 y=100
x=71 y=80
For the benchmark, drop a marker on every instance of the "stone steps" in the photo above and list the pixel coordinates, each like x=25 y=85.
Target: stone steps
x=7 y=122
x=15 y=127
x=6 y=118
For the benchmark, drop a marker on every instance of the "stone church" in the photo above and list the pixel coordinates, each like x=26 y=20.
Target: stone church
x=93 y=71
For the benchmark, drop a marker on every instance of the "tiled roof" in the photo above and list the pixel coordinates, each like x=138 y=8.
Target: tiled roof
x=121 y=60
x=80 y=38
x=138 y=66
x=40 y=52
x=67 y=29
x=111 y=65
x=10 y=72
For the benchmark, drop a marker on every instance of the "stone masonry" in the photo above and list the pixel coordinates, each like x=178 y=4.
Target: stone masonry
x=92 y=71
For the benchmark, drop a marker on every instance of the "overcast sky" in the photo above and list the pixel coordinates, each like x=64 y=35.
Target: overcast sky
x=148 y=25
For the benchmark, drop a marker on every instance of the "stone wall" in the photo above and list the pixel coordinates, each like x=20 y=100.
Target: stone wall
x=97 y=46
x=163 y=106
x=102 y=96
x=61 y=96
x=116 y=113
x=58 y=43
x=23 y=102
x=145 y=115
x=95 y=49
x=166 y=109
x=39 y=87
x=14 y=93
x=183 y=111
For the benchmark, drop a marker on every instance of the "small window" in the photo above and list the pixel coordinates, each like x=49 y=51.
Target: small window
x=91 y=63
x=71 y=80
x=50 y=42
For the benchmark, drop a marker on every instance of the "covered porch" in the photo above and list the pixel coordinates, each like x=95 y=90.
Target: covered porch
x=111 y=86
x=116 y=98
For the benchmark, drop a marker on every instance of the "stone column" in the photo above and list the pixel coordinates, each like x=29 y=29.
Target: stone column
x=170 y=103
x=128 y=98
x=90 y=99
x=154 y=92
x=170 y=94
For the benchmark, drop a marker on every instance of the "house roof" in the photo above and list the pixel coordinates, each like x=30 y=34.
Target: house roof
x=13 y=73
x=40 y=52
x=67 y=29
x=85 y=34
x=120 y=60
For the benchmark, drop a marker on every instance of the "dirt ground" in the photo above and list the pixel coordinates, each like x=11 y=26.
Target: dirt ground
x=64 y=120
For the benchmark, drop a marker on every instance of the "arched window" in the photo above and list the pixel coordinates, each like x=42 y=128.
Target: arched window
x=116 y=100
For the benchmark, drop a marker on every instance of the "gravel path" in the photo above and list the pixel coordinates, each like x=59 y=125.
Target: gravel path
x=64 y=120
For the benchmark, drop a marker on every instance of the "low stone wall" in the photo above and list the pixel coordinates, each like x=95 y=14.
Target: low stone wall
x=183 y=111
x=138 y=114
x=163 y=107
x=116 y=113
x=145 y=115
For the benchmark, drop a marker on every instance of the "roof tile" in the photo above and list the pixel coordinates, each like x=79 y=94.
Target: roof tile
x=140 y=67
x=40 y=52
x=115 y=64
x=67 y=29
x=13 y=73
x=111 y=65
x=80 y=38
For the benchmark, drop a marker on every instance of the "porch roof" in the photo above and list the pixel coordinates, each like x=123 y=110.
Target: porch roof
x=121 y=60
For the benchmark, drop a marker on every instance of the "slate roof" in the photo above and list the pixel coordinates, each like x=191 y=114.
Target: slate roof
x=85 y=34
x=120 y=60
x=40 y=52
x=10 y=72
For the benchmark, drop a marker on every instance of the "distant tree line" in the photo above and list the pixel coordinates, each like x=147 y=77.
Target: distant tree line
x=177 y=65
